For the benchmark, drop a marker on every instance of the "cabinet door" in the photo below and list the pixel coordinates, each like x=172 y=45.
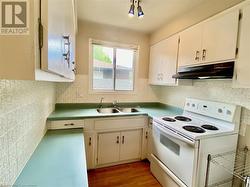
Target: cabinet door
x=58 y=36
x=169 y=53
x=190 y=46
x=108 y=148
x=163 y=61
x=130 y=145
x=220 y=38
x=154 y=74
x=89 y=149
x=242 y=63
x=69 y=31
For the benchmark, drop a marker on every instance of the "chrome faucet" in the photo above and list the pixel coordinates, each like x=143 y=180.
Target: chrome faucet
x=101 y=102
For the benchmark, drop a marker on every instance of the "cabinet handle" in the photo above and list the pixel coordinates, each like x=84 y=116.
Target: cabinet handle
x=197 y=54
x=90 y=141
x=122 y=139
x=146 y=135
x=66 y=53
x=69 y=124
x=204 y=54
x=117 y=139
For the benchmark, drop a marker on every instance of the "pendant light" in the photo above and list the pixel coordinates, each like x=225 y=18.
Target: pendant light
x=131 y=12
x=139 y=9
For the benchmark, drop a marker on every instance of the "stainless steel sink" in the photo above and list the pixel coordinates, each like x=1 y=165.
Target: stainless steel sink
x=128 y=110
x=107 y=110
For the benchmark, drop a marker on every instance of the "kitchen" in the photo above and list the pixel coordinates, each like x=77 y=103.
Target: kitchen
x=90 y=93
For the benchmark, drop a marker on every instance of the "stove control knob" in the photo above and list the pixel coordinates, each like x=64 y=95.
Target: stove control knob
x=220 y=110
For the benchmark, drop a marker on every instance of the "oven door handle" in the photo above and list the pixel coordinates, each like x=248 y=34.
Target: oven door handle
x=174 y=134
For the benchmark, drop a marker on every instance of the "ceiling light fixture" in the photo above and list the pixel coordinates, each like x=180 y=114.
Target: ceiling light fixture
x=139 y=9
x=131 y=12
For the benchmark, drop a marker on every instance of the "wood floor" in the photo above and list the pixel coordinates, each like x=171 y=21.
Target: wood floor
x=126 y=175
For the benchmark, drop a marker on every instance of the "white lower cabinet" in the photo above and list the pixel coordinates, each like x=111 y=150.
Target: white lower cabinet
x=112 y=141
x=89 y=138
x=119 y=146
x=130 y=145
x=108 y=148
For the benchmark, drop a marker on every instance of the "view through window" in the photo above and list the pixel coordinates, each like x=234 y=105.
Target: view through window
x=113 y=68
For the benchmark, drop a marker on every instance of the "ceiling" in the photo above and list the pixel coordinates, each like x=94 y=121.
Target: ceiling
x=115 y=12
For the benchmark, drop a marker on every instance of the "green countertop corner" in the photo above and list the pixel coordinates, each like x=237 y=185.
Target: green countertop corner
x=71 y=111
x=59 y=160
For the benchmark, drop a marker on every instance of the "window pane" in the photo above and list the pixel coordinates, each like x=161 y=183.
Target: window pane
x=103 y=73
x=124 y=69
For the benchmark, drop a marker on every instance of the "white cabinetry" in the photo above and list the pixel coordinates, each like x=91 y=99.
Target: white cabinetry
x=108 y=148
x=40 y=57
x=59 y=37
x=190 y=45
x=119 y=146
x=131 y=144
x=163 y=61
x=213 y=40
x=89 y=138
x=242 y=76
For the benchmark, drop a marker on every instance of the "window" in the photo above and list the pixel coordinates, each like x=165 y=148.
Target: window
x=113 y=68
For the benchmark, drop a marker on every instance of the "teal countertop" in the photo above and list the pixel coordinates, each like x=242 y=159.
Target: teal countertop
x=59 y=160
x=83 y=111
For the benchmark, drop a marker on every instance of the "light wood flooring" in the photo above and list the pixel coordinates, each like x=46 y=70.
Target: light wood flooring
x=127 y=175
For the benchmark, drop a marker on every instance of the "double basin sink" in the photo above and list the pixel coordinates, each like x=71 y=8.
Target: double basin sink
x=116 y=110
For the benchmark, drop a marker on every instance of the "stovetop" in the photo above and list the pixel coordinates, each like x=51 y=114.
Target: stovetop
x=194 y=127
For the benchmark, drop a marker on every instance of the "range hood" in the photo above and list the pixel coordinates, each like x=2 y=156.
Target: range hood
x=211 y=71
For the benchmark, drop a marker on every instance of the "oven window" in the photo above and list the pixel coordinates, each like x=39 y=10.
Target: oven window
x=172 y=146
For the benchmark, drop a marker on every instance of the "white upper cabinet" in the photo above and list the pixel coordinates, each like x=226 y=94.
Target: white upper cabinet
x=242 y=69
x=58 y=51
x=163 y=61
x=43 y=53
x=220 y=38
x=213 y=40
x=190 y=45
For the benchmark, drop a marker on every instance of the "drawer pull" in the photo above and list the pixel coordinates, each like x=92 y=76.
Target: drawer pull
x=90 y=141
x=123 y=140
x=69 y=124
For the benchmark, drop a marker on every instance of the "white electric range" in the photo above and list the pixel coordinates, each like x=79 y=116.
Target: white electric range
x=181 y=144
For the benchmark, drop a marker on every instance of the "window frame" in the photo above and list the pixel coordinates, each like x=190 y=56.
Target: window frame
x=113 y=45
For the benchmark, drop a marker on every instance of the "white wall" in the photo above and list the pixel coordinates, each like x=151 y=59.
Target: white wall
x=24 y=107
x=78 y=92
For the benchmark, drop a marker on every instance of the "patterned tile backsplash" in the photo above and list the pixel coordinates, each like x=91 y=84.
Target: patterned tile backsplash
x=24 y=107
x=79 y=92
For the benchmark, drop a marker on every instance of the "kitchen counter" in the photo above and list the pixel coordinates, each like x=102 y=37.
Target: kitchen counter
x=59 y=160
x=84 y=111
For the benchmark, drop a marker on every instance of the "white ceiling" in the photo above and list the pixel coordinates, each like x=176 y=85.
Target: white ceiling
x=115 y=12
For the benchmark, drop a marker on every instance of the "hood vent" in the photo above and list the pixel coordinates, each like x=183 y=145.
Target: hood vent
x=211 y=71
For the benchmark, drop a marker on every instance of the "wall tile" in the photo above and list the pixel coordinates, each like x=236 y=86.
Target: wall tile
x=24 y=107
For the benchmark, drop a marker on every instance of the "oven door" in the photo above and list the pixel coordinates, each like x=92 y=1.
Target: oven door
x=176 y=152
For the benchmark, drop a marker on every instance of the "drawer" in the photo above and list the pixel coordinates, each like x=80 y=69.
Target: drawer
x=65 y=124
x=126 y=123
